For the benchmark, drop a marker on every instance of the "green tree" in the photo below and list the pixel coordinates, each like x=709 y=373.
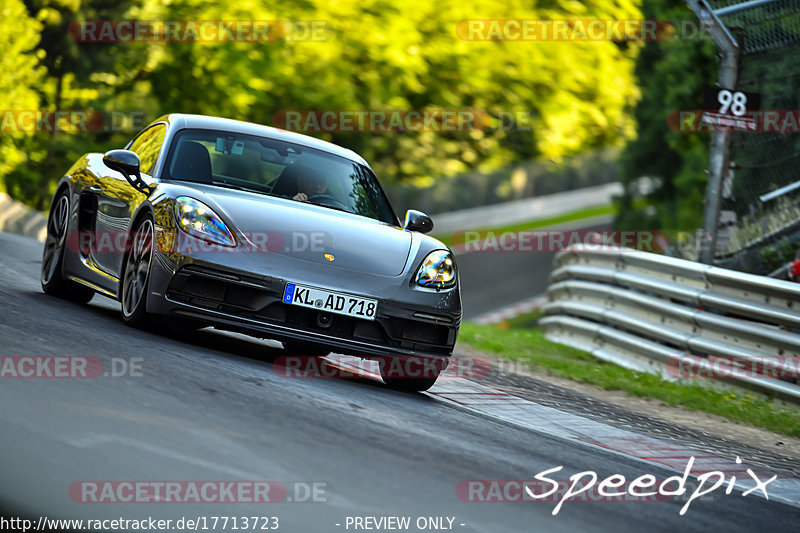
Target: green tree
x=75 y=80
x=671 y=75
x=380 y=55
x=392 y=54
x=19 y=75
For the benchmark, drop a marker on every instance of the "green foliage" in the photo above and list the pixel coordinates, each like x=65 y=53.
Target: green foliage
x=672 y=75
x=19 y=75
x=380 y=55
x=528 y=345
x=57 y=73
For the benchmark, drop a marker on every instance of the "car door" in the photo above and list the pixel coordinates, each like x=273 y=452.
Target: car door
x=117 y=201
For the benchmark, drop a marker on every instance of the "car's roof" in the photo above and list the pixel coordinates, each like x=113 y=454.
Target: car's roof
x=237 y=126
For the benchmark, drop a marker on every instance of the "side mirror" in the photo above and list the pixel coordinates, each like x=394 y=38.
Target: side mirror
x=127 y=163
x=418 y=221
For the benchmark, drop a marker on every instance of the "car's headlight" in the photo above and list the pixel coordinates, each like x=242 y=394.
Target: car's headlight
x=437 y=271
x=197 y=219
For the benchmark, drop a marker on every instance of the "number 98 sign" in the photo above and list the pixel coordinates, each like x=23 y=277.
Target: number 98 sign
x=735 y=101
x=730 y=102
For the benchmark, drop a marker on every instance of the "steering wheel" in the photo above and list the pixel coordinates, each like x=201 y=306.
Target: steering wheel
x=326 y=199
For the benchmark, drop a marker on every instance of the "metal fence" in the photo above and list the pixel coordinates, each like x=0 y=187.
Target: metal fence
x=761 y=194
x=677 y=318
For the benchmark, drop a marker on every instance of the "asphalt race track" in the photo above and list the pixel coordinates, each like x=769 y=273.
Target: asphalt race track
x=212 y=406
x=492 y=280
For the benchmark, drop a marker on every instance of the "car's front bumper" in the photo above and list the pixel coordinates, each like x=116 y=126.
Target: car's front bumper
x=230 y=291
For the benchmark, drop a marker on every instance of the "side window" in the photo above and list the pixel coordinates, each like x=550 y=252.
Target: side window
x=148 y=145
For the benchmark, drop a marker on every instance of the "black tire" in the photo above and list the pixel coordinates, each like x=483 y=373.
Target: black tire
x=408 y=383
x=136 y=275
x=310 y=349
x=53 y=282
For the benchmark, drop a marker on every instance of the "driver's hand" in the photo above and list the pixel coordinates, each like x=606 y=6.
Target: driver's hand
x=300 y=197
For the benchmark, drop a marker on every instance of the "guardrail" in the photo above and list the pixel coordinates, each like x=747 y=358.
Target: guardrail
x=678 y=318
x=16 y=217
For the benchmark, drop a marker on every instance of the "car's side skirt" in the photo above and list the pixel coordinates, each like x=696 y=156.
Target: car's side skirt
x=96 y=288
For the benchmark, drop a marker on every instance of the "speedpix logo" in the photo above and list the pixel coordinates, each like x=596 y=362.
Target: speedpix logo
x=589 y=487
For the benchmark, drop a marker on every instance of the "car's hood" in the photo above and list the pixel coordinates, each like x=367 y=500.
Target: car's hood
x=308 y=232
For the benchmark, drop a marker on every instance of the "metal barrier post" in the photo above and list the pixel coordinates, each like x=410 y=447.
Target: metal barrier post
x=720 y=140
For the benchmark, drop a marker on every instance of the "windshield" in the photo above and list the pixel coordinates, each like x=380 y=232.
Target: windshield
x=277 y=168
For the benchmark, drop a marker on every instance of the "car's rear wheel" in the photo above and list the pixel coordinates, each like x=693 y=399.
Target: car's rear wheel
x=136 y=275
x=410 y=374
x=53 y=282
x=310 y=349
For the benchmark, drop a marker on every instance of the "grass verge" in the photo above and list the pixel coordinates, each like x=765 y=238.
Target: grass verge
x=520 y=340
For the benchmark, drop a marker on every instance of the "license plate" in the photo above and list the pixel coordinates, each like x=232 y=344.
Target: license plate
x=330 y=301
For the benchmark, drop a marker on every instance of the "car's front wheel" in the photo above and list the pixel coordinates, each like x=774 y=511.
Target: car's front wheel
x=136 y=275
x=53 y=282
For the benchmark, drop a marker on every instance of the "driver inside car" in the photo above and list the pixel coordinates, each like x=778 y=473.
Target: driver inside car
x=310 y=185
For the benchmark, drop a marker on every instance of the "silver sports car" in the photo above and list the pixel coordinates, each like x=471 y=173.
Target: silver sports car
x=215 y=222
